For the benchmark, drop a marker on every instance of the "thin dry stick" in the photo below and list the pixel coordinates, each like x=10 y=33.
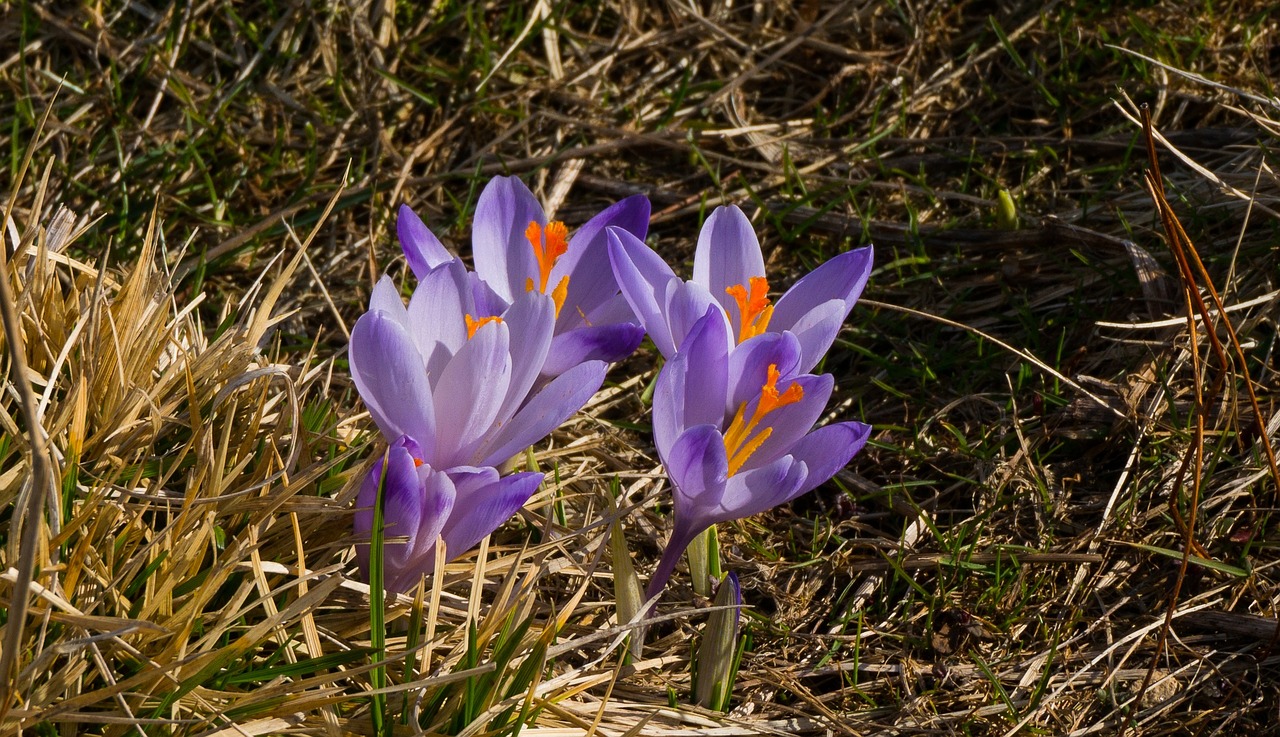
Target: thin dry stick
x=29 y=520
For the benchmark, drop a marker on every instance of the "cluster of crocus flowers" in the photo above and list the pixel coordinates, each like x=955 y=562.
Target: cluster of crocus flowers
x=480 y=365
x=734 y=407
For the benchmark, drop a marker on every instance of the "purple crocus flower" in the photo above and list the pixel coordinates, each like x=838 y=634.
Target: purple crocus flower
x=448 y=381
x=728 y=272
x=517 y=250
x=734 y=429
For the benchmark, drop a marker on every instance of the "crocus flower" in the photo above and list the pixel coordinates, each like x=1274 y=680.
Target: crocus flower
x=448 y=382
x=420 y=503
x=728 y=272
x=516 y=250
x=734 y=430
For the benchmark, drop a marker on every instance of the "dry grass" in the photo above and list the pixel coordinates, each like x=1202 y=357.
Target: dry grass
x=1063 y=524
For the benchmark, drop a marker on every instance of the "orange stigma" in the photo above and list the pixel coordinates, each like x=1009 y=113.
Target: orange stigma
x=547 y=250
x=739 y=444
x=754 y=308
x=473 y=324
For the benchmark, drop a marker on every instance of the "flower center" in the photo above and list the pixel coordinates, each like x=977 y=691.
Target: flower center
x=473 y=324
x=754 y=308
x=548 y=247
x=744 y=436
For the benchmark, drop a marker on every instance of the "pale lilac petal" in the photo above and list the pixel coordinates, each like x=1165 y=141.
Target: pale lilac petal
x=436 y=315
x=484 y=503
x=816 y=331
x=543 y=413
x=793 y=421
x=386 y=298
x=529 y=321
x=842 y=278
x=644 y=280
x=608 y=343
x=669 y=402
x=612 y=311
x=749 y=365
x=684 y=304
x=760 y=489
x=390 y=376
x=422 y=249
x=504 y=258
x=691 y=387
x=586 y=262
x=827 y=450
x=471 y=391
x=728 y=253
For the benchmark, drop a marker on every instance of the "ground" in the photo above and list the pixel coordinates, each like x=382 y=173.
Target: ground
x=1062 y=524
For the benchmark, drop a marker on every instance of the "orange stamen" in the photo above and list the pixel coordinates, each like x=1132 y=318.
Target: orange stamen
x=739 y=444
x=473 y=324
x=418 y=462
x=754 y=307
x=546 y=250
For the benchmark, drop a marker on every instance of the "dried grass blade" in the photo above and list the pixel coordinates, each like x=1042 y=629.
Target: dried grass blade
x=28 y=520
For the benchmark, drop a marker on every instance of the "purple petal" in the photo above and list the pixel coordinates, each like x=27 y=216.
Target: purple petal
x=749 y=365
x=586 y=262
x=760 y=489
x=529 y=324
x=606 y=343
x=613 y=311
x=669 y=401
x=484 y=503
x=437 y=312
x=386 y=298
x=643 y=278
x=470 y=392
x=389 y=374
x=816 y=331
x=421 y=248
x=791 y=422
x=827 y=450
x=416 y=502
x=691 y=387
x=484 y=301
x=698 y=470
x=842 y=278
x=401 y=509
x=504 y=258
x=436 y=496
x=543 y=413
x=685 y=303
x=728 y=253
